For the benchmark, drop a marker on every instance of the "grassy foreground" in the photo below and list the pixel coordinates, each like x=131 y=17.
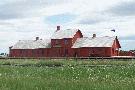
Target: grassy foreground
x=67 y=75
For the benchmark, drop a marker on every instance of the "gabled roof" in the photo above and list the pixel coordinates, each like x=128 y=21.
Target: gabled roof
x=32 y=44
x=94 y=42
x=68 y=33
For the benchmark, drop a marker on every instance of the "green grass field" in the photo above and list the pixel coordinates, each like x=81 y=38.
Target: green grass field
x=67 y=75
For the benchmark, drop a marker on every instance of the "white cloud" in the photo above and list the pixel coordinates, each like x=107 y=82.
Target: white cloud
x=25 y=19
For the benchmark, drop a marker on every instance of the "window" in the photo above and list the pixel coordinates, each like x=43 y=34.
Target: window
x=66 y=52
x=93 y=51
x=57 y=42
x=65 y=41
x=33 y=52
x=42 y=51
x=99 y=49
x=23 y=53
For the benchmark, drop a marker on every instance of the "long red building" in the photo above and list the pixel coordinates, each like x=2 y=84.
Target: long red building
x=67 y=43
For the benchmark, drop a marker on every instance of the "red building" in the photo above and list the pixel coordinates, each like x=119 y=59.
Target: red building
x=67 y=43
x=126 y=53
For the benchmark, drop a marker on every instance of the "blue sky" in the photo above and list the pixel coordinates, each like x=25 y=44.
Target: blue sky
x=26 y=19
x=60 y=19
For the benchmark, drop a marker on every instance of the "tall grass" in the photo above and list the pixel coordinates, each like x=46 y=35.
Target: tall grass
x=66 y=75
x=64 y=62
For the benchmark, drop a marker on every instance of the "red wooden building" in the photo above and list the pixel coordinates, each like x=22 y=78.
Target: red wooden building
x=67 y=43
x=126 y=53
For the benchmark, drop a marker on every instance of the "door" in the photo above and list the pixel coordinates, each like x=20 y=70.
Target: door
x=66 y=52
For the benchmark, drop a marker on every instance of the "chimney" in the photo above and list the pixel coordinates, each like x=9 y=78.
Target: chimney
x=10 y=47
x=58 y=28
x=94 y=35
x=37 y=38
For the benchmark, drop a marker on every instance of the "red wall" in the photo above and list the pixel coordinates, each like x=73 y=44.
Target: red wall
x=126 y=53
x=60 y=52
x=115 y=48
x=77 y=35
x=61 y=43
x=61 y=49
x=91 y=52
x=21 y=53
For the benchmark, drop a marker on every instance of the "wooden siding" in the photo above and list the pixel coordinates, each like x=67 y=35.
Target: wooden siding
x=62 y=48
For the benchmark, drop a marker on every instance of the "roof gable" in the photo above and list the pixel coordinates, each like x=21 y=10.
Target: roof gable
x=94 y=42
x=68 y=33
x=32 y=44
x=117 y=41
